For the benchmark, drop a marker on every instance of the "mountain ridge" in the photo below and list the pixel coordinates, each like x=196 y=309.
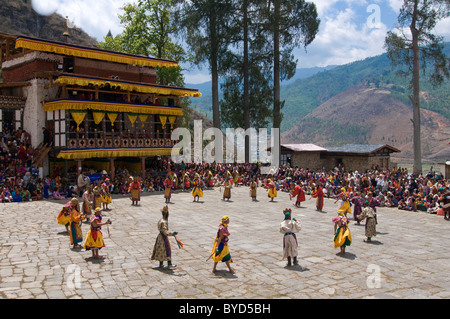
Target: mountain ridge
x=367 y=115
x=19 y=18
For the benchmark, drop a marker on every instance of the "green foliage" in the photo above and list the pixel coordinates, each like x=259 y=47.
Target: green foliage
x=246 y=68
x=149 y=30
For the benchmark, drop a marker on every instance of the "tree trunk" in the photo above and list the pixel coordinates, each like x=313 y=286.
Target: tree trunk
x=276 y=69
x=415 y=99
x=246 y=82
x=214 y=70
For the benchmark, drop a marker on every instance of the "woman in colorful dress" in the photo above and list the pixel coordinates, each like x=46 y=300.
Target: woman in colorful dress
x=76 y=235
x=162 y=250
x=105 y=193
x=342 y=235
x=94 y=238
x=221 y=251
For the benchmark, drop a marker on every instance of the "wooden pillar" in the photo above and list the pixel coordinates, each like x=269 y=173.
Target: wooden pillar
x=112 y=168
x=143 y=167
x=79 y=167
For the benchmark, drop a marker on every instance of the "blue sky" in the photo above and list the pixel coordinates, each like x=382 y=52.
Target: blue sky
x=350 y=30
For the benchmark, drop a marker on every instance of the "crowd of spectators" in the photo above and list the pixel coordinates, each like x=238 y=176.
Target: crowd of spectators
x=20 y=181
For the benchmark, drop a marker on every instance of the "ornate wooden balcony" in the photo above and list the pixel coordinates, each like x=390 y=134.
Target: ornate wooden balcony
x=12 y=102
x=117 y=142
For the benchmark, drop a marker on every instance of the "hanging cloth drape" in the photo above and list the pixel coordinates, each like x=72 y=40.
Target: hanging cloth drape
x=78 y=118
x=143 y=118
x=112 y=117
x=163 y=120
x=172 y=120
x=132 y=118
x=98 y=117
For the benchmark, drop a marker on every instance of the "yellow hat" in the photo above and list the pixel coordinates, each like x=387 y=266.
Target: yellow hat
x=225 y=218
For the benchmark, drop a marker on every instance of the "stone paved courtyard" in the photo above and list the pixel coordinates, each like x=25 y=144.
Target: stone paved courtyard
x=409 y=257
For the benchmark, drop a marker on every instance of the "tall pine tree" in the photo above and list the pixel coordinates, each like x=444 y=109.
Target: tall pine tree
x=290 y=24
x=415 y=45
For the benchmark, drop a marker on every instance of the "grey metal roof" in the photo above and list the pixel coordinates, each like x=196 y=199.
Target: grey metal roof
x=360 y=148
x=304 y=147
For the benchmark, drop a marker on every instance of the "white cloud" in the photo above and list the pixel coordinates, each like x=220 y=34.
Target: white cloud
x=396 y=5
x=344 y=39
x=45 y=7
x=95 y=17
x=344 y=35
x=443 y=29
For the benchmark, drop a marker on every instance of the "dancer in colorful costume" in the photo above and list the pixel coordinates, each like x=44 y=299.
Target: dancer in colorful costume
x=357 y=202
x=105 y=194
x=76 y=235
x=370 y=215
x=209 y=179
x=227 y=189
x=94 y=238
x=97 y=201
x=300 y=193
x=253 y=189
x=135 y=190
x=345 y=207
x=318 y=193
x=186 y=182
x=87 y=206
x=221 y=251
x=235 y=178
x=162 y=250
x=197 y=190
x=64 y=215
x=342 y=235
x=168 y=189
x=289 y=227
x=272 y=193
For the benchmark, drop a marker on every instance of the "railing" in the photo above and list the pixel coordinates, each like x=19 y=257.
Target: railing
x=12 y=102
x=118 y=142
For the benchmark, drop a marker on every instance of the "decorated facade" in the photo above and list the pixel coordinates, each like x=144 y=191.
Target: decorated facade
x=100 y=107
